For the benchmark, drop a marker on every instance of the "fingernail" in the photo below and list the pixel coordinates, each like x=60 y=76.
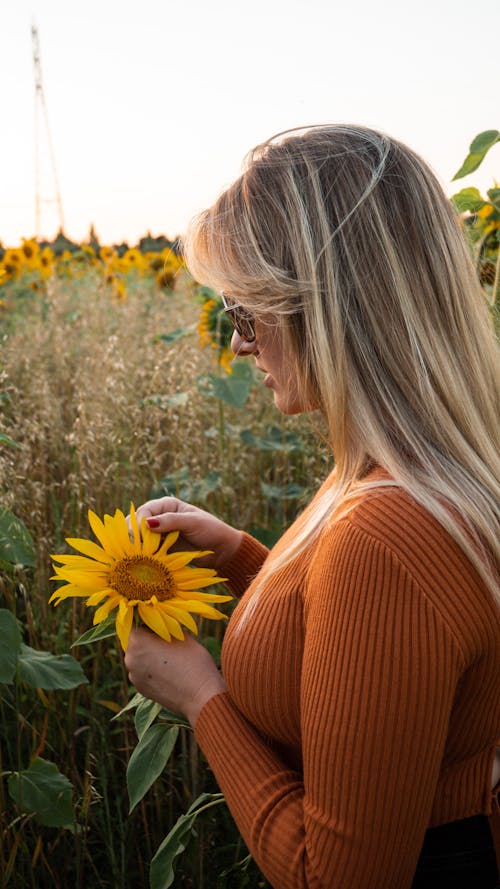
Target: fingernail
x=153 y=523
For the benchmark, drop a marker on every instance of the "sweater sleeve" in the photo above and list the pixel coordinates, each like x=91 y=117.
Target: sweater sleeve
x=245 y=564
x=379 y=672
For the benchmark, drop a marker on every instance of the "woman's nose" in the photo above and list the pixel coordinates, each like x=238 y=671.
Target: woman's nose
x=240 y=346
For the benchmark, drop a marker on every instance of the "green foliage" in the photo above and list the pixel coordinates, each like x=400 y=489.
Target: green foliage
x=10 y=645
x=483 y=222
x=43 y=792
x=175 y=335
x=276 y=439
x=181 y=484
x=103 y=630
x=16 y=544
x=149 y=759
x=233 y=389
x=162 y=872
x=479 y=148
x=7 y=440
x=49 y=671
x=145 y=714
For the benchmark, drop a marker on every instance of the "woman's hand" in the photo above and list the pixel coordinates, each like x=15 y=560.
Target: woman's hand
x=180 y=676
x=199 y=529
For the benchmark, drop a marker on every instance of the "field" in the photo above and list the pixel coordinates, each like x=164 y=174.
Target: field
x=116 y=386
x=110 y=397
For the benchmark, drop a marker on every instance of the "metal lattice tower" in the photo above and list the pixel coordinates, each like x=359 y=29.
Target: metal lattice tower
x=42 y=119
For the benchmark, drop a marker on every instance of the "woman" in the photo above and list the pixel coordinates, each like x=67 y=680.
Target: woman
x=354 y=732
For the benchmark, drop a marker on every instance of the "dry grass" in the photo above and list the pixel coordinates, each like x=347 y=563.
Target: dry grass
x=80 y=376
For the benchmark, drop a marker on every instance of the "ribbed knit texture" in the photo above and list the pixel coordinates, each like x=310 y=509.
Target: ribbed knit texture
x=363 y=703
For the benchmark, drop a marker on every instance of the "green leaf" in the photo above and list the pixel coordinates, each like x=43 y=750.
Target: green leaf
x=149 y=759
x=42 y=790
x=233 y=388
x=44 y=670
x=106 y=628
x=240 y=868
x=267 y=536
x=162 y=875
x=494 y=196
x=145 y=715
x=202 y=488
x=174 y=335
x=134 y=702
x=10 y=644
x=277 y=440
x=213 y=646
x=287 y=492
x=5 y=439
x=180 y=484
x=16 y=545
x=178 y=399
x=479 y=147
x=484 y=141
x=468 y=199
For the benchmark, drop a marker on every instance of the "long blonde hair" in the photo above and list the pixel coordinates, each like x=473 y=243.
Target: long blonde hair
x=346 y=237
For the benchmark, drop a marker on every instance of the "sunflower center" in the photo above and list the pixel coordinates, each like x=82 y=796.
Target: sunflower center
x=140 y=577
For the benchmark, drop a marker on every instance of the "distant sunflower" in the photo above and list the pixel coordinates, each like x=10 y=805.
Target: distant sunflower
x=107 y=254
x=215 y=331
x=132 y=259
x=46 y=262
x=137 y=574
x=29 y=248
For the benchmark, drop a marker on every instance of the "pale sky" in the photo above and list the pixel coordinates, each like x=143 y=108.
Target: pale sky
x=153 y=105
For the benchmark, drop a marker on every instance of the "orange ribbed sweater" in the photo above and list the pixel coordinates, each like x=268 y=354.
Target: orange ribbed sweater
x=363 y=701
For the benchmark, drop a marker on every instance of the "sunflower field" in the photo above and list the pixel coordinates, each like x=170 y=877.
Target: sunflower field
x=117 y=385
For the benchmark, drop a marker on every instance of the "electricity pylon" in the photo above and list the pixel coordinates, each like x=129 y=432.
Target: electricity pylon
x=42 y=117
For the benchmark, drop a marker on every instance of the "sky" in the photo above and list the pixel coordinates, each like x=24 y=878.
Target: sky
x=154 y=104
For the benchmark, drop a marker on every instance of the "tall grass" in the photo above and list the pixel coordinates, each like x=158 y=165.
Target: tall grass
x=87 y=388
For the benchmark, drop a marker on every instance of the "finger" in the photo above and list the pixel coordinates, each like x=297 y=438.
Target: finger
x=172 y=521
x=152 y=508
x=163 y=504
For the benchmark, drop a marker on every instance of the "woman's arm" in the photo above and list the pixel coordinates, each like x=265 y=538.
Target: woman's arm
x=379 y=674
x=235 y=554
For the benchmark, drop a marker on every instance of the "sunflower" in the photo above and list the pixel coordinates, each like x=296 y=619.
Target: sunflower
x=108 y=254
x=215 y=331
x=138 y=573
x=29 y=249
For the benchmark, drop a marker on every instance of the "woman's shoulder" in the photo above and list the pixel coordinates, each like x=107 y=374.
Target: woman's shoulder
x=387 y=525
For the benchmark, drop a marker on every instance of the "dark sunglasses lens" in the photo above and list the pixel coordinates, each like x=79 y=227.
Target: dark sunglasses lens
x=244 y=326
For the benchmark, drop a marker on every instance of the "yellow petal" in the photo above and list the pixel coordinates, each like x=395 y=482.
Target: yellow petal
x=89 y=582
x=80 y=562
x=150 y=540
x=104 y=610
x=90 y=549
x=67 y=593
x=103 y=536
x=95 y=598
x=179 y=560
x=169 y=541
x=201 y=597
x=205 y=610
x=196 y=582
x=180 y=615
x=124 y=620
x=157 y=622
x=136 y=545
x=118 y=528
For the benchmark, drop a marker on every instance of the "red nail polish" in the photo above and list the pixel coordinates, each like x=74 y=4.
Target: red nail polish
x=153 y=523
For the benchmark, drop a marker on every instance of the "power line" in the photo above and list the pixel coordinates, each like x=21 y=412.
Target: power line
x=41 y=114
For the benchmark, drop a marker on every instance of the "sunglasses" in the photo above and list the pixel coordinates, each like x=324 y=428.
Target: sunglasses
x=242 y=321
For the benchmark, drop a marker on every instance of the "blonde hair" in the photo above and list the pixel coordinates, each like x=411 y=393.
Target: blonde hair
x=347 y=239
